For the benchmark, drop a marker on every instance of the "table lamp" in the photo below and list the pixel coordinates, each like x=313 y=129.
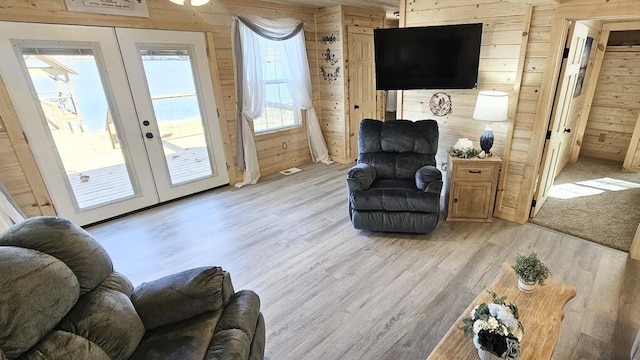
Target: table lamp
x=490 y=106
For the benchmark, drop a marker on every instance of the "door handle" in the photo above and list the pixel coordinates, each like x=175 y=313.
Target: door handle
x=356 y=107
x=455 y=200
x=145 y=123
x=149 y=135
x=567 y=130
x=475 y=171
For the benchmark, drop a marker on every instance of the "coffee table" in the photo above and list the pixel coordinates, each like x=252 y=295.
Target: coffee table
x=541 y=313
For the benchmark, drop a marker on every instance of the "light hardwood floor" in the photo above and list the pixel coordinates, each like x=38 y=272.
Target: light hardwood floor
x=332 y=292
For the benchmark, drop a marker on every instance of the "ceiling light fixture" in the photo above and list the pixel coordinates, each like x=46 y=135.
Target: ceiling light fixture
x=191 y=2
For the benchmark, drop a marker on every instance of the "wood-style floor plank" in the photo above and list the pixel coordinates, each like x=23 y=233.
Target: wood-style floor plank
x=329 y=291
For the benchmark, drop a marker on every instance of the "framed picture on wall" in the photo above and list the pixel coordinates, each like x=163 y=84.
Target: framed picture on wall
x=109 y=7
x=583 y=66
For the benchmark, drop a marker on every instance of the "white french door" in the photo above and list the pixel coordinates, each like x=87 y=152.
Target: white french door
x=168 y=72
x=117 y=119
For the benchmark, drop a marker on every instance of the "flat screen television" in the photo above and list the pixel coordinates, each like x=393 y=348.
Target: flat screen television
x=431 y=57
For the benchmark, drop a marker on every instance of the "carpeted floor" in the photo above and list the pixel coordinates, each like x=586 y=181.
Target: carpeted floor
x=593 y=199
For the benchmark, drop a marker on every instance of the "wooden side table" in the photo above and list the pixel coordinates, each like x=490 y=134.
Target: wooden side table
x=471 y=189
x=541 y=313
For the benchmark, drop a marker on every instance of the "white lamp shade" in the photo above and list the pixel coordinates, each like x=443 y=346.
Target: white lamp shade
x=491 y=106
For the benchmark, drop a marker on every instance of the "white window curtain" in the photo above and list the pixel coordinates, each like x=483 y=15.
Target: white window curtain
x=252 y=36
x=10 y=213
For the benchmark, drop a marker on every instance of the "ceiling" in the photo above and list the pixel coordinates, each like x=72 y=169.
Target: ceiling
x=388 y=5
x=392 y=6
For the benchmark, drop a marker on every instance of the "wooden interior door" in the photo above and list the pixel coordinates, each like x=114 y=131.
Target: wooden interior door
x=362 y=81
x=557 y=133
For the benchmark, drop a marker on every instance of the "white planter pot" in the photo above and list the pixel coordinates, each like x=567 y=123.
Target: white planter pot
x=485 y=355
x=526 y=286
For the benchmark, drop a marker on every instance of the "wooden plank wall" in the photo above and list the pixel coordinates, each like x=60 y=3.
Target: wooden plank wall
x=14 y=179
x=499 y=55
x=216 y=18
x=504 y=26
x=19 y=172
x=498 y=61
x=616 y=105
x=333 y=119
x=334 y=94
x=577 y=102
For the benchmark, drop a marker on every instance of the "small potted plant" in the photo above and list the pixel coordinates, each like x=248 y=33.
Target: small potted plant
x=531 y=271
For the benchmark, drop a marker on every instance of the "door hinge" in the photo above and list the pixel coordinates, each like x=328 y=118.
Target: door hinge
x=566 y=53
x=548 y=134
x=533 y=203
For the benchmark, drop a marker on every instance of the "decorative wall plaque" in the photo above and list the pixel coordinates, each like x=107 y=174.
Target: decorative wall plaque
x=329 y=57
x=111 y=7
x=330 y=76
x=328 y=39
x=440 y=104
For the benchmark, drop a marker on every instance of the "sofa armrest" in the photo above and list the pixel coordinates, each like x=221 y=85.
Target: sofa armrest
x=181 y=296
x=429 y=179
x=360 y=177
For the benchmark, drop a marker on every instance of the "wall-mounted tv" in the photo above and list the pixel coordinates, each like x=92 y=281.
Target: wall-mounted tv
x=431 y=57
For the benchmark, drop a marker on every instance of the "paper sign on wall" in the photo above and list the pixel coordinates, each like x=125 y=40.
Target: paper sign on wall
x=111 y=7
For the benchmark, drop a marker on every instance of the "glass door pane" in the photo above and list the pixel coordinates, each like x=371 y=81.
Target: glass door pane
x=72 y=99
x=170 y=80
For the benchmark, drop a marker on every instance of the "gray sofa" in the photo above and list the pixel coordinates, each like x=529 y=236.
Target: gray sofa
x=395 y=185
x=61 y=299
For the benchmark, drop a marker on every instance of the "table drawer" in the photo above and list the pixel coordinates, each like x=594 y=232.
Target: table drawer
x=474 y=171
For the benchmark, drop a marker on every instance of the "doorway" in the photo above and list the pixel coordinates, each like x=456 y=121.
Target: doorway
x=595 y=197
x=117 y=119
x=559 y=135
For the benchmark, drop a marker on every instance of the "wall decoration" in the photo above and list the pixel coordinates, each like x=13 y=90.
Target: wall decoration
x=329 y=57
x=440 y=104
x=583 y=66
x=330 y=76
x=328 y=39
x=110 y=7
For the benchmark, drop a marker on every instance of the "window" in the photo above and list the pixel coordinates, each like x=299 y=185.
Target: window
x=278 y=112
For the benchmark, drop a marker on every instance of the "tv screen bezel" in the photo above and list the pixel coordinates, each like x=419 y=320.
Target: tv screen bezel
x=395 y=82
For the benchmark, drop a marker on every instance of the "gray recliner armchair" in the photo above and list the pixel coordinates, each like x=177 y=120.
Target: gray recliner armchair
x=395 y=185
x=61 y=299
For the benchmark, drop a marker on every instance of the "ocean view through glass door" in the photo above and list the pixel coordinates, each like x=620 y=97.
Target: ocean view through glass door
x=94 y=106
x=177 y=113
x=72 y=97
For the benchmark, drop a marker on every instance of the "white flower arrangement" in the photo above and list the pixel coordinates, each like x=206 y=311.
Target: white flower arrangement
x=463 y=148
x=495 y=328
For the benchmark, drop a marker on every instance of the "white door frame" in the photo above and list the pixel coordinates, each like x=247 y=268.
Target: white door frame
x=559 y=116
x=105 y=49
x=131 y=41
x=127 y=110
